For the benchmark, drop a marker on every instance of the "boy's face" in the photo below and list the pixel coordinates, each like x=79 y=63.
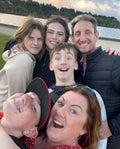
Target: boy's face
x=63 y=64
x=22 y=111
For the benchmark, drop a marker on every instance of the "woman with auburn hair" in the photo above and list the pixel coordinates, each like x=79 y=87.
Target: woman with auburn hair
x=74 y=122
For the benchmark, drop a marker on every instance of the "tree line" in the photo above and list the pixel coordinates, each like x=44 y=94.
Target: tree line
x=38 y=10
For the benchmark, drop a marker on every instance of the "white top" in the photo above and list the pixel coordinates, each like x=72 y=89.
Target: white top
x=102 y=143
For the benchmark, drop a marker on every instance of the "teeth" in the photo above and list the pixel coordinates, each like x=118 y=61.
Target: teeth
x=58 y=123
x=53 y=42
x=63 y=69
x=17 y=105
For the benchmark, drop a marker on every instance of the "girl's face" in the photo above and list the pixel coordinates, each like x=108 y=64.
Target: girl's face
x=34 y=42
x=55 y=34
x=68 y=118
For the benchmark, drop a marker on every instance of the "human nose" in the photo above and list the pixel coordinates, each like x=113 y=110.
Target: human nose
x=54 y=35
x=61 y=112
x=35 y=41
x=26 y=99
x=63 y=61
x=82 y=37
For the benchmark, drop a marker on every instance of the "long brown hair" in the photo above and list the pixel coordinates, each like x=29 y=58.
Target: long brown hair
x=26 y=29
x=60 y=20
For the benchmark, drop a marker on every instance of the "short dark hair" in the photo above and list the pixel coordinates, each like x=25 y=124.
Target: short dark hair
x=84 y=17
x=63 y=45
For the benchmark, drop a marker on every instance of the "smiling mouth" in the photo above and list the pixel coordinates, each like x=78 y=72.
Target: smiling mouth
x=18 y=108
x=57 y=124
x=63 y=69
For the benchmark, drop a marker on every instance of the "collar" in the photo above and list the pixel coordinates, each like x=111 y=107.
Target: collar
x=19 y=142
x=92 y=56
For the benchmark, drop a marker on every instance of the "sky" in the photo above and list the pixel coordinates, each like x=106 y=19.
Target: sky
x=99 y=7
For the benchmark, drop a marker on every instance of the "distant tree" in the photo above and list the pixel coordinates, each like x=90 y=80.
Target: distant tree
x=40 y=10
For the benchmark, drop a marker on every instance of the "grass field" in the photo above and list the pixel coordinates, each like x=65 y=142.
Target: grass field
x=3 y=40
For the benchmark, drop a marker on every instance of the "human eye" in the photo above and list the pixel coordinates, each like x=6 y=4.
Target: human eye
x=60 y=34
x=73 y=111
x=57 y=58
x=40 y=39
x=34 y=108
x=87 y=32
x=60 y=103
x=31 y=38
x=50 y=32
x=77 y=34
x=69 y=58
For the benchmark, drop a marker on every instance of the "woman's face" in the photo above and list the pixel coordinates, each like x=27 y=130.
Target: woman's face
x=68 y=118
x=34 y=42
x=55 y=34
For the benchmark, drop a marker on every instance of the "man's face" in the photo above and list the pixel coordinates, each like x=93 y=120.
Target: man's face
x=22 y=111
x=84 y=37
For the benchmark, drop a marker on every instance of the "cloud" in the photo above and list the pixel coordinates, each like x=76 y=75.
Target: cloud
x=106 y=7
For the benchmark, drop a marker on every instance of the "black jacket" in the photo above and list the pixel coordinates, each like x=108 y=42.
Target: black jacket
x=42 y=69
x=19 y=142
x=103 y=75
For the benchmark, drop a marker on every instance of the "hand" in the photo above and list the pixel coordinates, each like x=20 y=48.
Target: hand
x=16 y=49
x=105 y=131
x=113 y=51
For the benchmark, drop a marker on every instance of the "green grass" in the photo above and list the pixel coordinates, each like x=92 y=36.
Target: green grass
x=3 y=40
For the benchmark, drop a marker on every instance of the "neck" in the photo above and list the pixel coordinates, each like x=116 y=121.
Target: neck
x=9 y=129
x=84 y=58
x=65 y=82
x=69 y=143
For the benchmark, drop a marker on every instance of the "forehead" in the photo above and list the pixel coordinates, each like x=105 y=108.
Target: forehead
x=64 y=51
x=83 y=25
x=56 y=26
x=36 y=32
x=75 y=98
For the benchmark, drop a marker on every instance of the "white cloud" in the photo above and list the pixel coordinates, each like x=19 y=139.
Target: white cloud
x=106 y=7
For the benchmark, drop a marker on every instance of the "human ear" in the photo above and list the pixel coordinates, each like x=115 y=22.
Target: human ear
x=72 y=39
x=50 y=66
x=31 y=133
x=76 y=65
x=97 y=36
x=82 y=132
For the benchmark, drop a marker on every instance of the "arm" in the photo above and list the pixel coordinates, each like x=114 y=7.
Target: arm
x=113 y=51
x=103 y=141
x=19 y=70
x=10 y=44
x=5 y=140
x=114 y=121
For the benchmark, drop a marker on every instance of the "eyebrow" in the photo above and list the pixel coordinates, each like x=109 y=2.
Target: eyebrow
x=58 y=53
x=73 y=105
x=50 y=29
x=78 y=107
x=38 y=101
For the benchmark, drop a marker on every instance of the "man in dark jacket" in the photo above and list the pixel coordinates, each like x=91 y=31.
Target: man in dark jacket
x=101 y=72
